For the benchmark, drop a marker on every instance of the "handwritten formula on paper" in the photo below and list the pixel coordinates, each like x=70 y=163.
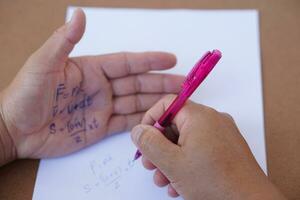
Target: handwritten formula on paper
x=107 y=173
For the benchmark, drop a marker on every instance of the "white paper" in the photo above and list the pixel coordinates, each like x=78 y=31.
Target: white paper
x=105 y=170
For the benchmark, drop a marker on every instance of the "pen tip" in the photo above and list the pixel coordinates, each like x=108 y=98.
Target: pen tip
x=137 y=155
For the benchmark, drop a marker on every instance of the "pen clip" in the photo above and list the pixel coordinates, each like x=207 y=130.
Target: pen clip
x=201 y=69
x=192 y=74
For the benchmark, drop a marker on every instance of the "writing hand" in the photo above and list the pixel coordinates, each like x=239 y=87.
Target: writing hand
x=57 y=105
x=210 y=161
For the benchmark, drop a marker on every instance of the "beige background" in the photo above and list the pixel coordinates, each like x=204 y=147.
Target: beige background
x=24 y=25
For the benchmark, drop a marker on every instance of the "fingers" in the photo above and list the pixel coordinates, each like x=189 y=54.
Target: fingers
x=185 y=114
x=157 y=148
x=120 y=123
x=171 y=191
x=135 y=103
x=56 y=49
x=148 y=164
x=160 y=179
x=153 y=114
x=147 y=83
x=123 y=64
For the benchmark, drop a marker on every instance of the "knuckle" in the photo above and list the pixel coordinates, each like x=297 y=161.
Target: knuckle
x=147 y=114
x=228 y=116
x=138 y=83
x=137 y=103
x=126 y=61
x=211 y=110
x=186 y=111
x=191 y=109
x=158 y=107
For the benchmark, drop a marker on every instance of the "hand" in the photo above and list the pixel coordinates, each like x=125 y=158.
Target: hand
x=57 y=105
x=210 y=161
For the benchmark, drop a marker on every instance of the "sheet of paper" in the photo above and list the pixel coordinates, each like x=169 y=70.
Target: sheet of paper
x=105 y=170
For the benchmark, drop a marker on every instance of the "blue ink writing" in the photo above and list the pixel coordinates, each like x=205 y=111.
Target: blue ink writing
x=85 y=102
x=52 y=128
x=59 y=90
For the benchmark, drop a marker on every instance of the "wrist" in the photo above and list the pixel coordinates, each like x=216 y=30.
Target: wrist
x=8 y=151
x=256 y=185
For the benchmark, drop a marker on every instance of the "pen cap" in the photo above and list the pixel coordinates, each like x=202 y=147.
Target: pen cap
x=212 y=60
x=192 y=73
x=203 y=67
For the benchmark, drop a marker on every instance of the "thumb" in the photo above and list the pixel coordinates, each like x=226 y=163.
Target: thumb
x=56 y=49
x=156 y=147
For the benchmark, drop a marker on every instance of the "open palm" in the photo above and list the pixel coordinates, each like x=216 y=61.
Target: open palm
x=57 y=105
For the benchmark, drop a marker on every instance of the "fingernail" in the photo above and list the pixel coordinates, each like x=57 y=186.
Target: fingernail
x=136 y=133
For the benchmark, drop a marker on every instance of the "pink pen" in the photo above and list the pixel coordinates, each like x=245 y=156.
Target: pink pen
x=199 y=72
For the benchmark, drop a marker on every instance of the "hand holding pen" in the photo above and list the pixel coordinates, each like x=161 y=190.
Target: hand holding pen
x=199 y=72
x=211 y=159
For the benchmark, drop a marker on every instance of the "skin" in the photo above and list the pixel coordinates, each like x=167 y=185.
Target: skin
x=118 y=86
x=210 y=160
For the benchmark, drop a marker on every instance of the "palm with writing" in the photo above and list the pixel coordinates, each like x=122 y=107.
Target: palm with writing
x=57 y=105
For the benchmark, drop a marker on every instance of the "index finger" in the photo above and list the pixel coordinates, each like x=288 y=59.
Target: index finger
x=123 y=64
x=183 y=116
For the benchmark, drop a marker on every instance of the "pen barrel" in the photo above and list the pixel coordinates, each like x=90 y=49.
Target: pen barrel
x=159 y=127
